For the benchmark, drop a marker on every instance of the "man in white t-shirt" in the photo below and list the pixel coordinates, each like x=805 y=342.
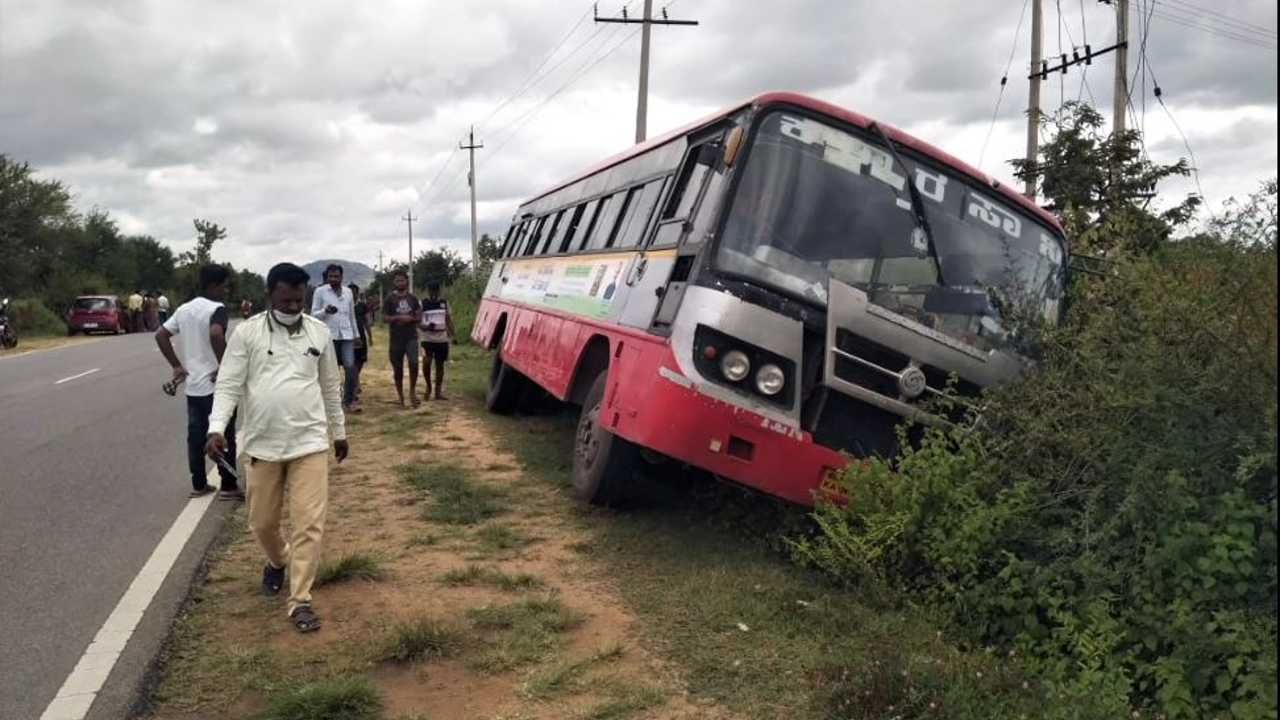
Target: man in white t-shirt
x=336 y=306
x=201 y=329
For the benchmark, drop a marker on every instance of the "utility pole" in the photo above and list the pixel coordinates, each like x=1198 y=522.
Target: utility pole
x=409 y=218
x=1033 y=102
x=1121 y=97
x=381 y=281
x=642 y=101
x=471 y=148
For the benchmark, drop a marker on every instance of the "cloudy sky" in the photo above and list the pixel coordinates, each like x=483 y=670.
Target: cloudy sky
x=310 y=128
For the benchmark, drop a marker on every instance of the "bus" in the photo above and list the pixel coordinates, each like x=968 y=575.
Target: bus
x=764 y=294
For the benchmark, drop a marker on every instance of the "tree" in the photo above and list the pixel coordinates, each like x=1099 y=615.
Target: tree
x=207 y=233
x=487 y=250
x=442 y=265
x=1102 y=186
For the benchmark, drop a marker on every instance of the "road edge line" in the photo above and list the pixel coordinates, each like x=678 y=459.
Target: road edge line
x=76 y=695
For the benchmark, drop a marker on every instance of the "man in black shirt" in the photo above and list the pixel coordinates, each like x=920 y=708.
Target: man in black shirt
x=401 y=311
x=362 y=342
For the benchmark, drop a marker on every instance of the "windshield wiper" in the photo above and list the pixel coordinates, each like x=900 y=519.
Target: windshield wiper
x=917 y=203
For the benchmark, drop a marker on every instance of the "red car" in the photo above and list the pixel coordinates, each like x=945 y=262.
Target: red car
x=97 y=313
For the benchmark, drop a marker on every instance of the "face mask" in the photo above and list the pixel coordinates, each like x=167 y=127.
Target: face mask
x=286 y=319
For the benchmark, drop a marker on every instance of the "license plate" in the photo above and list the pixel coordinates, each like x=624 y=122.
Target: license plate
x=91 y=325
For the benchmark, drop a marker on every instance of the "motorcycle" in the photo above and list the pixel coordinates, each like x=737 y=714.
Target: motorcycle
x=8 y=338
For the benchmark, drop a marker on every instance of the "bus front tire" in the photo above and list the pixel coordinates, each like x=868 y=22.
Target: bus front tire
x=602 y=461
x=506 y=387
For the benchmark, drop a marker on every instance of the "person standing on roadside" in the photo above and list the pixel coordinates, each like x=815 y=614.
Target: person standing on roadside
x=335 y=305
x=437 y=332
x=281 y=371
x=163 y=302
x=400 y=310
x=201 y=328
x=135 y=311
x=364 y=340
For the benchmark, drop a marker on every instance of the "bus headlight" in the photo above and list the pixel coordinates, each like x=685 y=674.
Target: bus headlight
x=770 y=379
x=735 y=365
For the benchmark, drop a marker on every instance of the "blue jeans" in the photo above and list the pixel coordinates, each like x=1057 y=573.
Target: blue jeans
x=198 y=409
x=346 y=352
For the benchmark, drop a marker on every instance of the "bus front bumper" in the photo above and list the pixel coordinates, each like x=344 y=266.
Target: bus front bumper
x=672 y=417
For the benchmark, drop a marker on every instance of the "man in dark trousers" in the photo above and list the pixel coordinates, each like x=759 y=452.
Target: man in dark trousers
x=436 y=332
x=401 y=311
x=201 y=328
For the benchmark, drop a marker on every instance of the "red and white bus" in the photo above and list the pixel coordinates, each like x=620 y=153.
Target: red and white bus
x=763 y=294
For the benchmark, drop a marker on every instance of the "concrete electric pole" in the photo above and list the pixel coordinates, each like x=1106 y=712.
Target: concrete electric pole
x=1121 y=97
x=1033 y=101
x=409 y=218
x=471 y=148
x=642 y=101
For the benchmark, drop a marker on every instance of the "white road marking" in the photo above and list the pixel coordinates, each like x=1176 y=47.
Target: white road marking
x=81 y=687
x=77 y=377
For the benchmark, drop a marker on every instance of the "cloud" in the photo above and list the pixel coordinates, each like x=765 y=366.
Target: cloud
x=308 y=130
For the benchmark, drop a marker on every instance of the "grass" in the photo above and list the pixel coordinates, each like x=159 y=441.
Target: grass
x=473 y=575
x=698 y=558
x=352 y=566
x=345 y=698
x=627 y=701
x=422 y=539
x=495 y=538
x=521 y=633
x=417 y=640
x=456 y=498
x=566 y=677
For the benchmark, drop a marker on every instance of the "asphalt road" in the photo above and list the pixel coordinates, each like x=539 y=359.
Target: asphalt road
x=92 y=474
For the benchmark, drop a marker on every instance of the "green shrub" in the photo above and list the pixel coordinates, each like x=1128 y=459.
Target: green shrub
x=32 y=317
x=1113 y=516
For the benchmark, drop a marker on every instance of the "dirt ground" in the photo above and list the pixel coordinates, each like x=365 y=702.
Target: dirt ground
x=235 y=649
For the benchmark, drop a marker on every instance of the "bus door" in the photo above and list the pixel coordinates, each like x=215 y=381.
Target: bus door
x=658 y=276
x=685 y=221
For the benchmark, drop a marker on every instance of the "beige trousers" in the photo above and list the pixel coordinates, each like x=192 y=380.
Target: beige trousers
x=307 y=481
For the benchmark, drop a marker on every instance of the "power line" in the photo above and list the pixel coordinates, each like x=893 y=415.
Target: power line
x=1189 y=22
x=524 y=86
x=1218 y=18
x=1004 y=82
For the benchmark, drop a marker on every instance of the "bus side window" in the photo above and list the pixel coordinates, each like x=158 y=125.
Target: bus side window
x=591 y=225
x=607 y=222
x=536 y=236
x=551 y=234
x=643 y=200
x=624 y=217
x=680 y=204
x=573 y=227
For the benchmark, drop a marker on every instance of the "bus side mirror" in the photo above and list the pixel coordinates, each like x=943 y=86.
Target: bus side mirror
x=732 y=145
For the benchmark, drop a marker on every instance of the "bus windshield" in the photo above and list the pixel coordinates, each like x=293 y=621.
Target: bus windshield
x=816 y=201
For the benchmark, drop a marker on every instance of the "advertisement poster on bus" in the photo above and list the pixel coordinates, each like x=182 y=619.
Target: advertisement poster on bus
x=579 y=285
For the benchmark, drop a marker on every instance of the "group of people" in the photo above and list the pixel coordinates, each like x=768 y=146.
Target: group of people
x=147 y=310
x=274 y=394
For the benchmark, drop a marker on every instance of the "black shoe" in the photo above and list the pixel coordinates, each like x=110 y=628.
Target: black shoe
x=201 y=492
x=272 y=580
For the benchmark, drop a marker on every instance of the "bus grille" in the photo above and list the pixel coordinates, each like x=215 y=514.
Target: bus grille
x=880 y=365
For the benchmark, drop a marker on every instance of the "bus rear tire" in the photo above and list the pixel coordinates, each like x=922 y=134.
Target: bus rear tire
x=506 y=387
x=602 y=462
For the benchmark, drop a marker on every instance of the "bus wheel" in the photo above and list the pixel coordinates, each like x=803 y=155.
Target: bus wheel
x=506 y=387
x=602 y=461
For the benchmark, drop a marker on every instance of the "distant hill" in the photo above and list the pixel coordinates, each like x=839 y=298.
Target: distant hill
x=352 y=271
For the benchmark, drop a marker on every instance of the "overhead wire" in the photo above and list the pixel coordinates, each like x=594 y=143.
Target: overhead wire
x=1215 y=17
x=1168 y=15
x=524 y=84
x=1004 y=82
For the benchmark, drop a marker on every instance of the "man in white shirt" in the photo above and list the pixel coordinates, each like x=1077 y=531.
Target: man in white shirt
x=201 y=329
x=335 y=305
x=163 y=302
x=280 y=370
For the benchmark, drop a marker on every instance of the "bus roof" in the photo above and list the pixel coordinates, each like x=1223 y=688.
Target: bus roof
x=823 y=108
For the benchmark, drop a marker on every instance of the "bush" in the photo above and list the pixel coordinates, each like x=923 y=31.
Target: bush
x=31 y=317
x=1114 y=515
